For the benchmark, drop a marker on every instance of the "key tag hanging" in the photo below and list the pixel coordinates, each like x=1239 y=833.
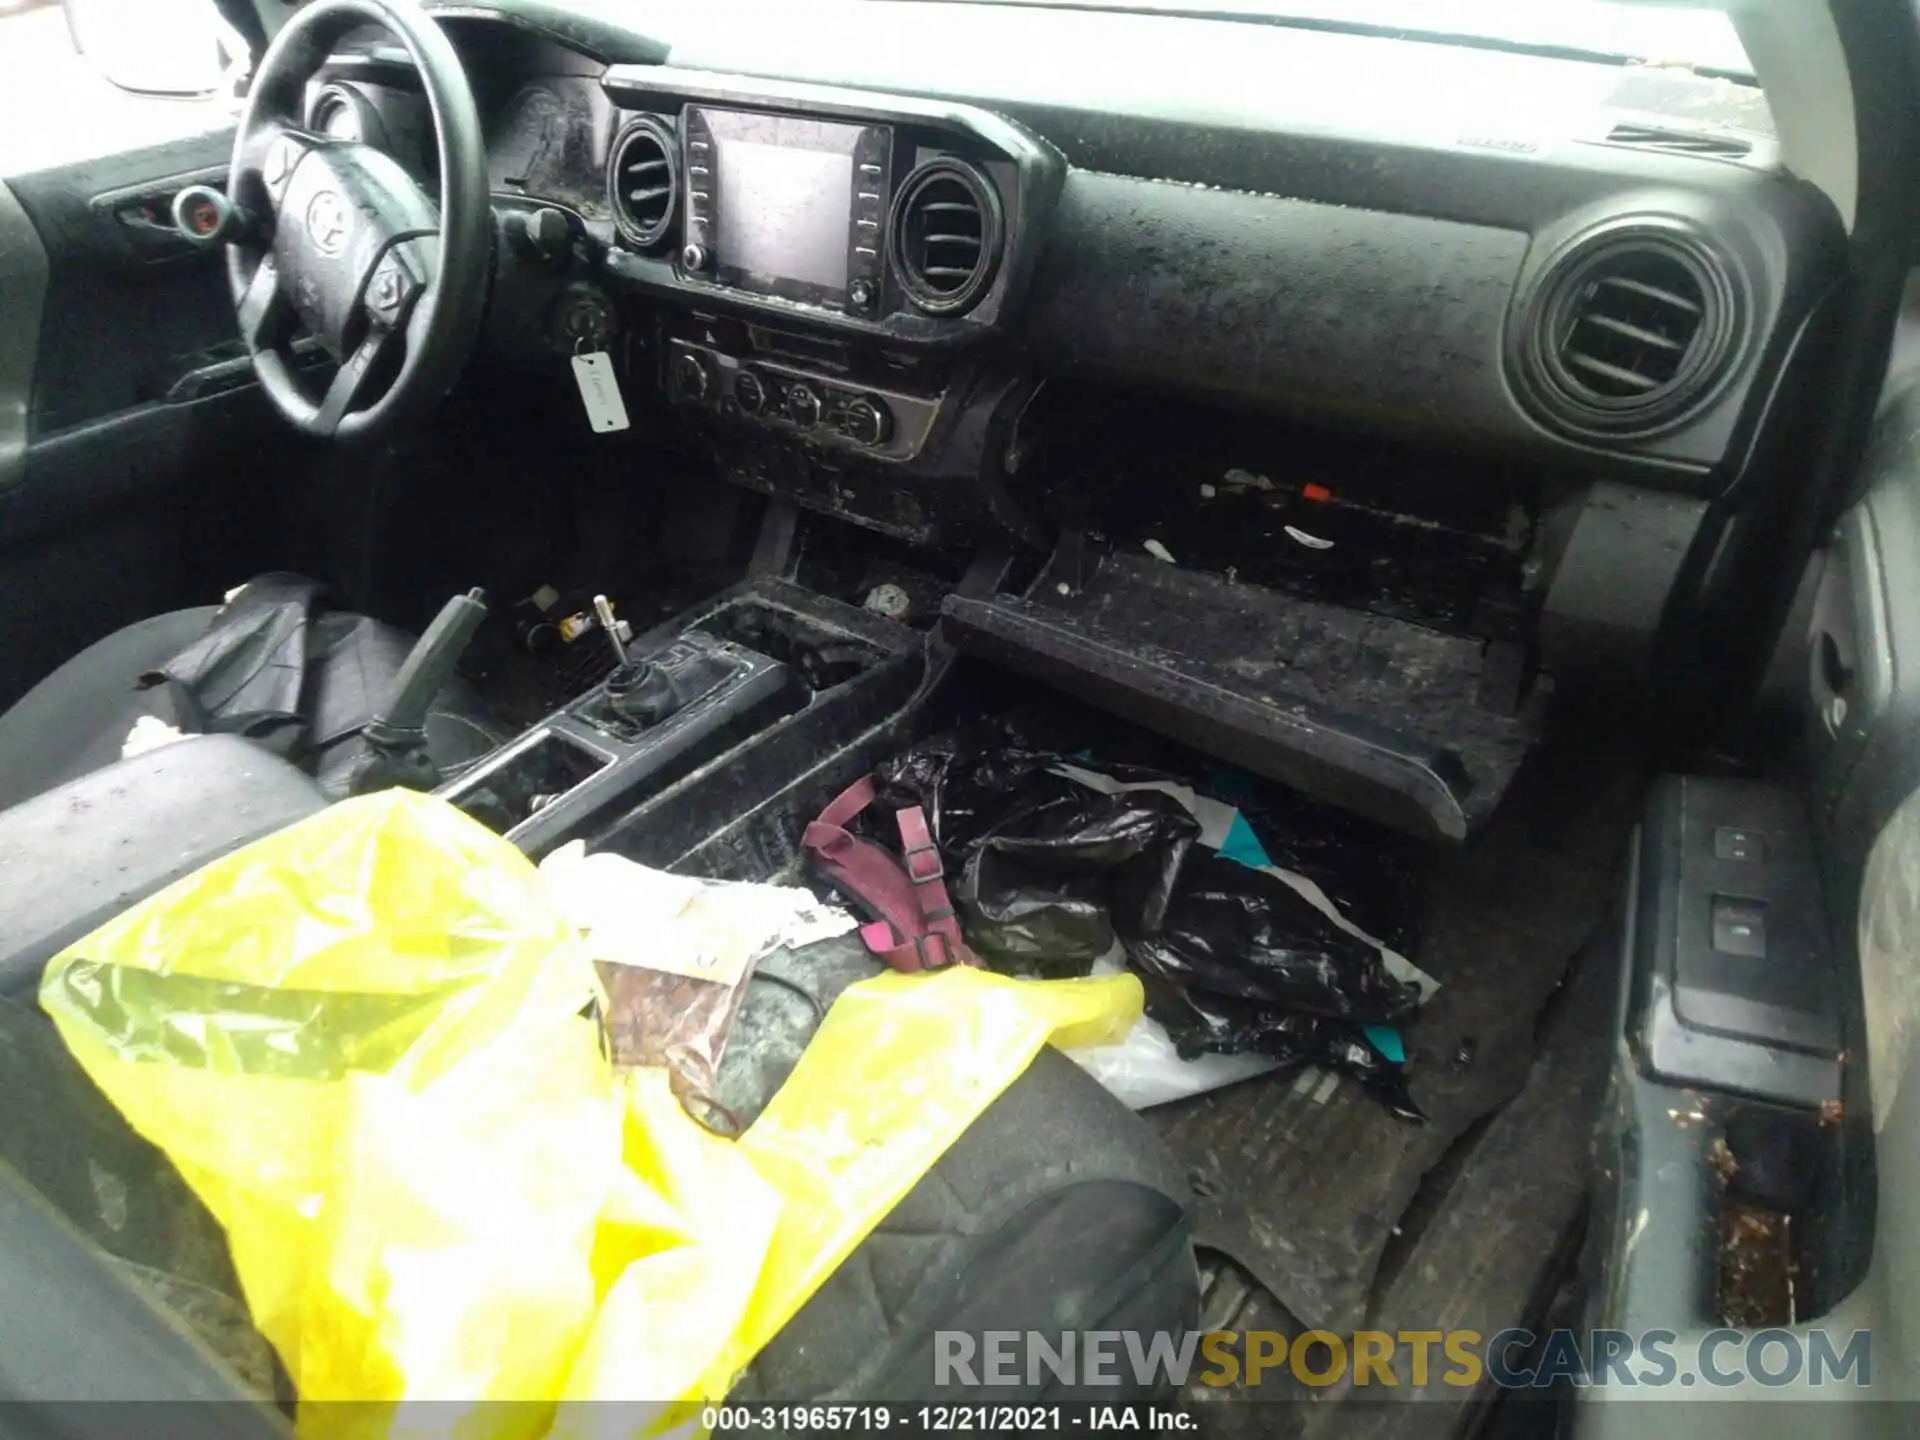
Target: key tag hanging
x=599 y=389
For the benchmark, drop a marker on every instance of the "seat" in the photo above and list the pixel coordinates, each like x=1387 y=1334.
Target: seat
x=75 y=856
x=78 y=719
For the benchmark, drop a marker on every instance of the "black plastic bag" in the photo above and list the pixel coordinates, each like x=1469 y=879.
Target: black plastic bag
x=1231 y=930
x=1051 y=872
x=1047 y=867
x=1203 y=1024
x=1047 y=888
x=1374 y=877
x=1049 y=928
x=965 y=780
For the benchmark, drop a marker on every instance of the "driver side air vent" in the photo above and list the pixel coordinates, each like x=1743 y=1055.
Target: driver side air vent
x=946 y=235
x=1630 y=332
x=643 y=180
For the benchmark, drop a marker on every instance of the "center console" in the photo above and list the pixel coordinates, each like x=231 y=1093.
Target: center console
x=664 y=709
x=766 y=666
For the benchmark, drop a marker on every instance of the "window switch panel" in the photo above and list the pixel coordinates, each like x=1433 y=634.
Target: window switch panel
x=1740 y=927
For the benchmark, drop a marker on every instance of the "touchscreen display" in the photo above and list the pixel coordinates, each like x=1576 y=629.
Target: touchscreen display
x=785 y=193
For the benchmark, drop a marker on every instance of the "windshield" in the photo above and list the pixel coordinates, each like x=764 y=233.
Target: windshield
x=1701 y=38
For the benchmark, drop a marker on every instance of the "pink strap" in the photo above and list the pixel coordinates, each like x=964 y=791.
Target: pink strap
x=915 y=928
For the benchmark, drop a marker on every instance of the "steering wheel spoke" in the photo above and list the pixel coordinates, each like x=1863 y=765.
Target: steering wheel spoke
x=349 y=384
x=266 y=157
x=265 y=313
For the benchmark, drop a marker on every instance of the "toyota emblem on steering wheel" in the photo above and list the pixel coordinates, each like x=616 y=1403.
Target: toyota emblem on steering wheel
x=328 y=222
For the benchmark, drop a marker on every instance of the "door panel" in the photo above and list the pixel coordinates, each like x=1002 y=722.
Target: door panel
x=1846 y=1172
x=23 y=291
x=140 y=468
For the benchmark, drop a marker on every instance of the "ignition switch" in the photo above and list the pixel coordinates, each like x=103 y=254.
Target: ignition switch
x=584 y=319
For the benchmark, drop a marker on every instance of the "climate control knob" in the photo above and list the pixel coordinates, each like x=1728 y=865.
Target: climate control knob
x=691 y=376
x=866 y=420
x=748 y=393
x=803 y=406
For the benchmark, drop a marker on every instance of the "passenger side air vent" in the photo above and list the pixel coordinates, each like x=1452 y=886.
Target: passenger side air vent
x=946 y=236
x=643 y=179
x=1679 y=142
x=1630 y=332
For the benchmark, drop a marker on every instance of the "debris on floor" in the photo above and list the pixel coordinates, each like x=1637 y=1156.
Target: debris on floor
x=1059 y=864
x=1505 y=919
x=674 y=954
x=1757 y=1268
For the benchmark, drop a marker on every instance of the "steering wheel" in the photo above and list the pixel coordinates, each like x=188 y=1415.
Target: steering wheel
x=337 y=235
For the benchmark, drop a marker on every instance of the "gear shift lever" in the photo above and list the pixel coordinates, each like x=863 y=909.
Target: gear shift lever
x=639 y=691
x=603 y=608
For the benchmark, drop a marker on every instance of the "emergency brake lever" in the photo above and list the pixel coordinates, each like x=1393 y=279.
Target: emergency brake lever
x=397 y=735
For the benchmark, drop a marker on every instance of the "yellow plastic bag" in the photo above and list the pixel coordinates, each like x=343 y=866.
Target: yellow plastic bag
x=363 y=1041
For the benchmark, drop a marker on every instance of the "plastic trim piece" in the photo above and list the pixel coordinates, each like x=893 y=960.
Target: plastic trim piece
x=23 y=293
x=1375 y=714
x=1801 y=64
x=1862 y=691
x=1767 y=1027
x=1609 y=593
x=1039 y=171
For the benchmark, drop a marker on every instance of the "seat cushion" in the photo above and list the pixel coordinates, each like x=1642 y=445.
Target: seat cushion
x=76 y=720
x=79 y=854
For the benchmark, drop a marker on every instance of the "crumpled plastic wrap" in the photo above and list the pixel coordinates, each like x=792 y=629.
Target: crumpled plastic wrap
x=1059 y=859
x=1198 y=1023
x=1050 y=872
x=1235 y=931
x=367 y=1042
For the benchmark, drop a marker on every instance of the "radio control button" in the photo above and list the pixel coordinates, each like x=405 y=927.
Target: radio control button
x=803 y=406
x=748 y=393
x=866 y=420
x=692 y=377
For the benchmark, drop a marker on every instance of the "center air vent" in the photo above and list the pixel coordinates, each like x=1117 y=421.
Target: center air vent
x=642 y=181
x=947 y=235
x=1630 y=332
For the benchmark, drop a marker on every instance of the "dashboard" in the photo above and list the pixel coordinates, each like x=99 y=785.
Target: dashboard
x=879 y=250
